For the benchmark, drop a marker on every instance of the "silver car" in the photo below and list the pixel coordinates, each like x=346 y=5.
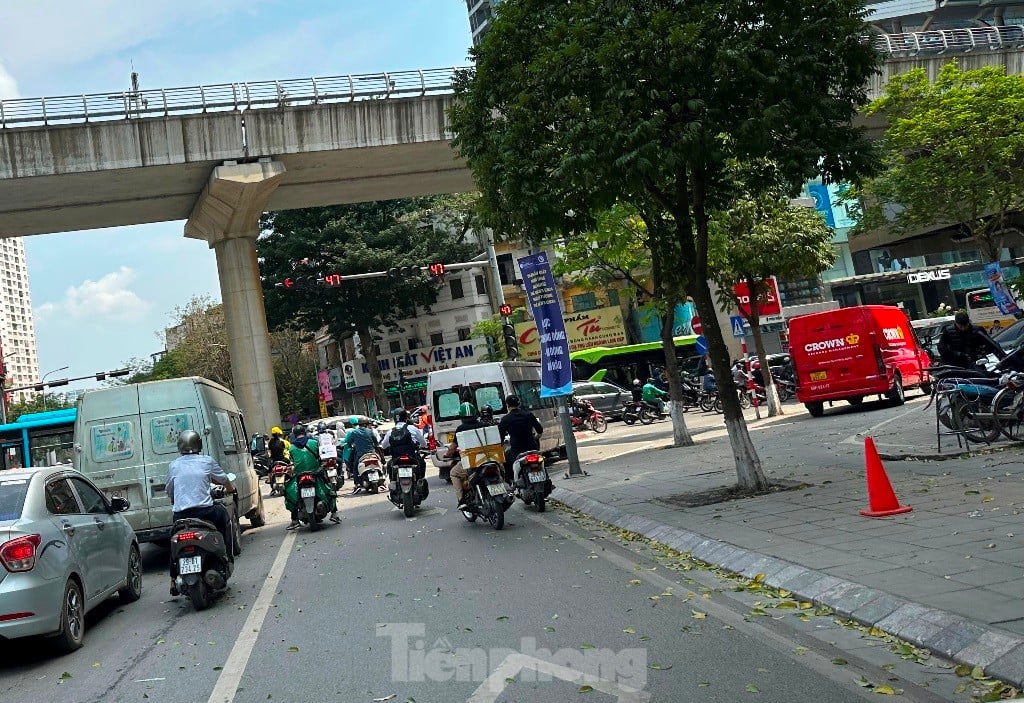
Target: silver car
x=64 y=549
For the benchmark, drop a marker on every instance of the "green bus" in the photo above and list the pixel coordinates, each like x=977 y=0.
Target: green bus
x=620 y=365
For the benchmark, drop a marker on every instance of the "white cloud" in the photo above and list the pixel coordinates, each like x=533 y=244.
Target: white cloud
x=8 y=86
x=109 y=298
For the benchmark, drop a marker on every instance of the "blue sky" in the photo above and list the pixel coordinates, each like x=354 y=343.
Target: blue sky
x=104 y=296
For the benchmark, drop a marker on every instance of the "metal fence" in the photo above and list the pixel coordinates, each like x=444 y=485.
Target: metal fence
x=949 y=41
x=70 y=109
x=224 y=97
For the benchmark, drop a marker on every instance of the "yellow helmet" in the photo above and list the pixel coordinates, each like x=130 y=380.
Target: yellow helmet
x=276 y=430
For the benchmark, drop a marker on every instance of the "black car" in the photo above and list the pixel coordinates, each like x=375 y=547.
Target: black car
x=606 y=397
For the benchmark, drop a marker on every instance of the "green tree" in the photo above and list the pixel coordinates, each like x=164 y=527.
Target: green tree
x=574 y=106
x=355 y=239
x=760 y=236
x=37 y=404
x=953 y=154
x=295 y=371
x=619 y=248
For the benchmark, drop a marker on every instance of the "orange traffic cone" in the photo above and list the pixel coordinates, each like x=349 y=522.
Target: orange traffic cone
x=882 y=500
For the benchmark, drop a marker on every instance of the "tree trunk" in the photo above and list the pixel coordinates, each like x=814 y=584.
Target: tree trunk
x=376 y=380
x=749 y=475
x=680 y=433
x=770 y=391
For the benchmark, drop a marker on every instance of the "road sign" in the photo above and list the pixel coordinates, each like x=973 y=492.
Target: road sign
x=702 y=345
x=769 y=303
x=696 y=325
x=739 y=331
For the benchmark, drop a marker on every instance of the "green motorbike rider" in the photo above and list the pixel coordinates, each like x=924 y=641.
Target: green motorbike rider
x=306 y=460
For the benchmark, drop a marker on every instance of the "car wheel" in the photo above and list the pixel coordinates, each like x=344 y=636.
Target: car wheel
x=72 y=619
x=896 y=394
x=132 y=590
x=815 y=409
x=259 y=518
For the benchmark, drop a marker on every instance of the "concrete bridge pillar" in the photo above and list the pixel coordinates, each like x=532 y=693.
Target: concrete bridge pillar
x=226 y=215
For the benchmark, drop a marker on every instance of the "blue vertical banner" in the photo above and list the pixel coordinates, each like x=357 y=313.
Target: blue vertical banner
x=555 y=370
x=1001 y=295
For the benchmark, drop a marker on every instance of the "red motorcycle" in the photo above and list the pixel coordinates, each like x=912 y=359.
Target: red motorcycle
x=279 y=476
x=586 y=417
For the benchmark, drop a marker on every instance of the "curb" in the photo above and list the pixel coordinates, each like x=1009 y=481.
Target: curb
x=998 y=652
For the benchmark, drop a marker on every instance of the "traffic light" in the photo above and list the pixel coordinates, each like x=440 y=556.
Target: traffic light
x=298 y=282
x=508 y=331
x=437 y=271
x=505 y=310
x=404 y=272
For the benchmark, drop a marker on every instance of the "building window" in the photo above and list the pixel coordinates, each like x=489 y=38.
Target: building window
x=413 y=343
x=396 y=346
x=613 y=297
x=376 y=349
x=506 y=270
x=481 y=285
x=586 y=301
x=457 y=292
x=463 y=333
x=436 y=339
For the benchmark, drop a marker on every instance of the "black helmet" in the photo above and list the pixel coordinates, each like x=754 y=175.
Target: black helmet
x=402 y=415
x=487 y=413
x=321 y=427
x=189 y=442
x=299 y=430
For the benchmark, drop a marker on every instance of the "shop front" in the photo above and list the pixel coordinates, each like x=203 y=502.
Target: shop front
x=919 y=291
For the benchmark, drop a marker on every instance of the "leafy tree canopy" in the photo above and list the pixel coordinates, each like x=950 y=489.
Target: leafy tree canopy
x=37 y=404
x=954 y=154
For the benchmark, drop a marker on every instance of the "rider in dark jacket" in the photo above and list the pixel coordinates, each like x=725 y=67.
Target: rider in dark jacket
x=961 y=344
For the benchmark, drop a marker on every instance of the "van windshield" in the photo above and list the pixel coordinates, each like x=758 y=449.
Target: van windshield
x=447 y=401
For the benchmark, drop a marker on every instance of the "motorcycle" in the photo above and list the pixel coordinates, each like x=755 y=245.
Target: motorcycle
x=312 y=499
x=533 y=484
x=594 y=419
x=335 y=477
x=404 y=489
x=280 y=475
x=200 y=564
x=371 y=473
x=487 y=495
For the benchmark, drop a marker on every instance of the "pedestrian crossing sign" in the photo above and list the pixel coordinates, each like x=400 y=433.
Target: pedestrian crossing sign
x=738 y=329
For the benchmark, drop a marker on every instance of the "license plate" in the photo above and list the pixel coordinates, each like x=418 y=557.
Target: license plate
x=451 y=437
x=404 y=472
x=333 y=473
x=190 y=565
x=497 y=489
x=307 y=492
x=819 y=375
x=279 y=480
x=372 y=476
x=537 y=476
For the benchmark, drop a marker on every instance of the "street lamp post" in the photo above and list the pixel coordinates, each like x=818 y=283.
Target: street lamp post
x=42 y=381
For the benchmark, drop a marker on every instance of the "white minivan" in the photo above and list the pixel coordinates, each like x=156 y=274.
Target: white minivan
x=125 y=437
x=488 y=385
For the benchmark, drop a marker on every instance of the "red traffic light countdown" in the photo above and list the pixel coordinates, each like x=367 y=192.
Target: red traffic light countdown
x=505 y=310
x=332 y=279
x=437 y=269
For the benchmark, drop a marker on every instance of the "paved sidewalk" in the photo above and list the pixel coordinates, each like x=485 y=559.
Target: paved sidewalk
x=948 y=576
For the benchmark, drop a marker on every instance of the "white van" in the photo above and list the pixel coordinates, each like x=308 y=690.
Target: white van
x=125 y=437
x=483 y=385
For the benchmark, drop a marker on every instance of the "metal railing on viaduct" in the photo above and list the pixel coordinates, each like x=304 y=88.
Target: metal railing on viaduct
x=162 y=102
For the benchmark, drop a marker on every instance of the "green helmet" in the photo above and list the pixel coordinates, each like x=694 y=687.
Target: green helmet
x=353 y=421
x=467 y=410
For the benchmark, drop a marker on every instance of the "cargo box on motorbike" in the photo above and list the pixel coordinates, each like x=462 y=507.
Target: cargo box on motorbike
x=850 y=353
x=478 y=437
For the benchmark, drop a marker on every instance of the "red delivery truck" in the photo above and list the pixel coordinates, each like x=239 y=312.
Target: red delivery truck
x=850 y=353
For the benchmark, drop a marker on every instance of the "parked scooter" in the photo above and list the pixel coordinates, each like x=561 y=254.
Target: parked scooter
x=200 y=561
x=487 y=495
x=404 y=489
x=593 y=420
x=371 y=473
x=280 y=475
x=532 y=482
x=334 y=477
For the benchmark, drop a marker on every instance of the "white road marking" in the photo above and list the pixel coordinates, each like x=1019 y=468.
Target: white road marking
x=495 y=684
x=238 y=659
x=859 y=437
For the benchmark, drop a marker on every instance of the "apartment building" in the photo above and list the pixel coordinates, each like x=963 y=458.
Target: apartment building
x=480 y=17
x=17 y=329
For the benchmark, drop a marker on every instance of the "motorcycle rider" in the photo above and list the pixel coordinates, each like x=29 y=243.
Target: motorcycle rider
x=459 y=473
x=654 y=396
x=406 y=438
x=277 y=445
x=962 y=343
x=360 y=441
x=523 y=430
x=306 y=458
x=188 y=486
x=638 y=391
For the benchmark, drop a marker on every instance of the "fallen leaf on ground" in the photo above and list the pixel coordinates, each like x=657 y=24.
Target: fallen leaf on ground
x=586 y=688
x=751 y=688
x=697 y=615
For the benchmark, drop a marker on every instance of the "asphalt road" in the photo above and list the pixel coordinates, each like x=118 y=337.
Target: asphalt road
x=383 y=608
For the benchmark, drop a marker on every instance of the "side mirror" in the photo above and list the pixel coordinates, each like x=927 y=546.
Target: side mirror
x=119 y=504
